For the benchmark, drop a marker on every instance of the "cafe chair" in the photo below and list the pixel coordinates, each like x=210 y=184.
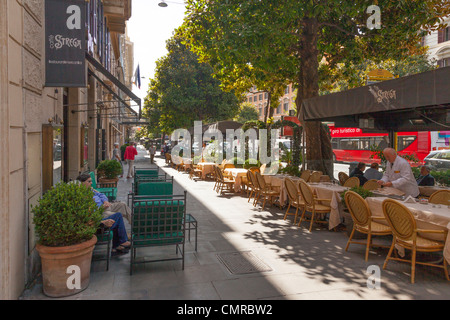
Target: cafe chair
x=406 y=235
x=254 y=187
x=195 y=171
x=440 y=197
x=312 y=205
x=265 y=190
x=364 y=222
x=305 y=175
x=371 y=184
x=315 y=176
x=223 y=182
x=295 y=199
x=352 y=182
x=342 y=176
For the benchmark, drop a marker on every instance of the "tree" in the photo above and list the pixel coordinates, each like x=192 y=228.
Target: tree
x=290 y=38
x=247 y=112
x=184 y=90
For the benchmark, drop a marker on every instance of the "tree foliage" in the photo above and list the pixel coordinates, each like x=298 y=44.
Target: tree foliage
x=287 y=40
x=184 y=90
x=247 y=112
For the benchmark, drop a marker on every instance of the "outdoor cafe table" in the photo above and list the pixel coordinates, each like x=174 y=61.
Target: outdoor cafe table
x=276 y=181
x=428 y=216
x=206 y=167
x=237 y=174
x=328 y=190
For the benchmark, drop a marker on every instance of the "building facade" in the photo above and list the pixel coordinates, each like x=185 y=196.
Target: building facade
x=286 y=103
x=52 y=134
x=438 y=43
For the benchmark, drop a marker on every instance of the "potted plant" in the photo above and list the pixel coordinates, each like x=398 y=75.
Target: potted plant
x=66 y=219
x=348 y=221
x=108 y=171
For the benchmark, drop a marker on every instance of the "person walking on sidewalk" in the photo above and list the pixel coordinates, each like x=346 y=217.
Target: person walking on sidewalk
x=152 y=151
x=130 y=153
x=116 y=156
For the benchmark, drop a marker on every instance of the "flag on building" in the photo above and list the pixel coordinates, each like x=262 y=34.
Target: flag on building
x=137 y=77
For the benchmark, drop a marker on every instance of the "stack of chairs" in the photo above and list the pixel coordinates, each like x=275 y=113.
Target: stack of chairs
x=158 y=216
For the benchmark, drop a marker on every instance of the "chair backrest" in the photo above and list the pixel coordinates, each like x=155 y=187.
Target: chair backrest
x=352 y=182
x=254 y=169
x=157 y=220
x=305 y=175
x=262 y=168
x=315 y=176
x=440 y=197
x=400 y=219
x=249 y=178
x=358 y=207
x=291 y=189
x=253 y=179
x=94 y=182
x=219 y=173
x=261 y=181
x=372 y=184
x=307 y=193
x=342 y=176
x=155 y=188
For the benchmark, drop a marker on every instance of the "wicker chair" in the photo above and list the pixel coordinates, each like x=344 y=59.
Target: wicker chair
x=195 y=171
x=223 y=181
x=295 y=199
x=406 y=235
x=364 y=222
x=372 y=184
x=265 y=190
x=352 y=182
x=315 y=176
x=305 y=175
x=312 y=205
x=440 y=197
x=342 y=176
x=255 y=187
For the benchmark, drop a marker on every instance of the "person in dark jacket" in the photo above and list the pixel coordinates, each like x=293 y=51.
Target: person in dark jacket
x=359 y=173
x=425 y=178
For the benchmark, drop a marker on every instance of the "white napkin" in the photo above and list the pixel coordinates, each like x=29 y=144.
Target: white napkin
x=409 y=199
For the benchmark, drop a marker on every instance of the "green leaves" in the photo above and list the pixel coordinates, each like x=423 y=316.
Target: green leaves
x=66 y=214
x=109 y=169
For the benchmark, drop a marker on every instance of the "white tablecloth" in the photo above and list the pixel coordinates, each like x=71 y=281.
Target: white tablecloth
x=237 y=174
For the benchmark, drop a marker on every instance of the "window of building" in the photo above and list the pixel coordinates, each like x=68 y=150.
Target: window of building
x=286 y=91
x=250 y=99
x=266 y=95
x=260 y=97
x=286 y=106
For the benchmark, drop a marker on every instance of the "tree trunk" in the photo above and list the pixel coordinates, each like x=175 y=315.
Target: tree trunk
x=318 y=145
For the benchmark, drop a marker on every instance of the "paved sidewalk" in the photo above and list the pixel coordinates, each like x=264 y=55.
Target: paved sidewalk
x=298 y=264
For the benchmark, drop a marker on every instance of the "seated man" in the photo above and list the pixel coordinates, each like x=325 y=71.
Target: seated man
x=110 y=219
x=373 y=173
x=359 y=173
x=425 y=178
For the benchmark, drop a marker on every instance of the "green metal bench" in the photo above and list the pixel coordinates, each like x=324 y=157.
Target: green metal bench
x=109 y=190
x=158 y=221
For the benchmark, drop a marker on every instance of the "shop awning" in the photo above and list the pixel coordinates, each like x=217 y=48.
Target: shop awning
x=99 y=67
x=420 y=102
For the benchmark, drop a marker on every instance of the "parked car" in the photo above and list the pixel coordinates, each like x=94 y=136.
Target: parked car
x=439 y=160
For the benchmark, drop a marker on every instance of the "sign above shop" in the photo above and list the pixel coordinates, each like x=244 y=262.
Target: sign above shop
x=65 y=43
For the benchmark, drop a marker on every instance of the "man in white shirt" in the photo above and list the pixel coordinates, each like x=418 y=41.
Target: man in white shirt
x=398 y=174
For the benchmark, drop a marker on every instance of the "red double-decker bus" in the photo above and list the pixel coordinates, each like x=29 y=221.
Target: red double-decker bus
x=353 y=144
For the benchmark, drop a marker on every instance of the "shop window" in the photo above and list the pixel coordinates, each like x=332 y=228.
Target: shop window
x=52 y=155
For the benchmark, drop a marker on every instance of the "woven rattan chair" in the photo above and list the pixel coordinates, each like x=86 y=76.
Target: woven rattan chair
x=295 y=199
x=305 y=175
x=342 y=176
x=406 y=235
x=223 y=181
x=372 y=184
x=265 y=191
x=352 y=182
x=315 y=176
x=440 y=197
x=255 y=187
x=195 y=171
x=364 y=222
x=254 y=169
x=312 y=205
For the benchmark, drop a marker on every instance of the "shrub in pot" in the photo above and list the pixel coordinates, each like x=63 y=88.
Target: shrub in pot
x=66 y=219
x=109 y=170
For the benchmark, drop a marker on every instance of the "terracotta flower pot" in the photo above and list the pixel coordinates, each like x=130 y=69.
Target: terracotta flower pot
x=56 y=272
